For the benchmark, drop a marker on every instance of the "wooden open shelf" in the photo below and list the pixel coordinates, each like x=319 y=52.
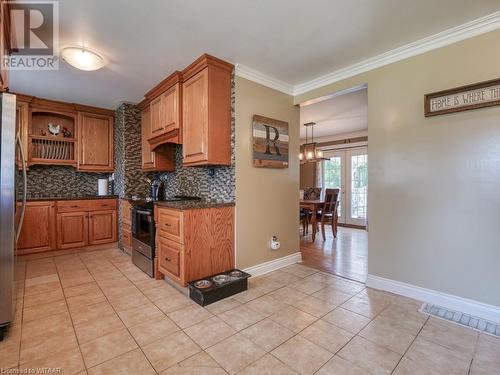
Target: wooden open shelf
x=52 y=150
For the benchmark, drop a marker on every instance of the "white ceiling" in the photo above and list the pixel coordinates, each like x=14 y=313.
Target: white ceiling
x=291 y=40
x=342 y=114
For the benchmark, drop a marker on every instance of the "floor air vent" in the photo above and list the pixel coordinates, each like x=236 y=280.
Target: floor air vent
x=466 y=320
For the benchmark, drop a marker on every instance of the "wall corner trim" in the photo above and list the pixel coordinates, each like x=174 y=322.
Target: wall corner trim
x=452 y=302
x=273 y=265
x=263 y=79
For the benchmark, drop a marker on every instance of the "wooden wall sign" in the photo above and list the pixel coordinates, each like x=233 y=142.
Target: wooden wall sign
x=478 y=95
x=270 y=142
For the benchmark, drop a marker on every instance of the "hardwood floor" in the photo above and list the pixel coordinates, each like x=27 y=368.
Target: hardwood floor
x=345 y=256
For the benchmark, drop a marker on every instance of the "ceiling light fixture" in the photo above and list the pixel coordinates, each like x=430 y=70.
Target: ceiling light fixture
x=309 y=153
x=83 y=58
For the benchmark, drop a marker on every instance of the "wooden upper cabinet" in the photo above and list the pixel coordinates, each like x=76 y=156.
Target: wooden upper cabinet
x=95 y=142
x=163 y=159
x=206 y=120
x=38 y=232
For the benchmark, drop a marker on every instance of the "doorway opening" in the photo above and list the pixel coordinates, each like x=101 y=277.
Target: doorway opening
x=341 y=135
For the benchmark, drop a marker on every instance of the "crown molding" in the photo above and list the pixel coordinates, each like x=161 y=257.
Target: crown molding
x=456 y=34
x=263 y=79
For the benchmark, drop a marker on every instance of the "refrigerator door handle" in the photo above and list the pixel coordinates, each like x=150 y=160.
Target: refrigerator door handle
x=23 y=208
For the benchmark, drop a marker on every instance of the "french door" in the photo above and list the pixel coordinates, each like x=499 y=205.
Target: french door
x=347 y=170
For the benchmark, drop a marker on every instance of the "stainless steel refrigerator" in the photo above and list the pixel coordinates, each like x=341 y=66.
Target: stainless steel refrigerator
x=12 y=158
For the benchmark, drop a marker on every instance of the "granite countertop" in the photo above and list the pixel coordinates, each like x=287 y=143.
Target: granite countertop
x=70 y=197
x=192 y=204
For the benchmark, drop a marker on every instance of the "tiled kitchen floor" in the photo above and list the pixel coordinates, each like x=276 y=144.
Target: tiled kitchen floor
x=96 y=313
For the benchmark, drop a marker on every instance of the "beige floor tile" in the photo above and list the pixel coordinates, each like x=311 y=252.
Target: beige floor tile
x=314 y=306
x=458 y=339
x=201 y=359
x=170 y=350
x=284 y=278
x=266 y=305
x=437 y=357
x=409 y=320
x=160 y=292
x=308 y=286
x=487 y=352
x=68 y=361
x=299 y=270
x=68 y=282
x=153 y=330
x=302 y=355
x=82 y=289
x=83 y=314
x=288 y=295
x=334 y=296
x=223 y=305
x=98 y=327
x=267 y=365
x=478 y=369
x=293 y=319
x=44 y=310
x=42 y=288
x=126 y=302
x=107 y=347
x=149 y=284
x=45 y=279
x=173 y=303
x=369 y=356
x=179 y=370
x=190 y=315
x=409 y=367
x=265 y=284
x=241 y=317
x=86 y=299
x=9 y=354
x=249 y=295
x=326 y=335
x=339 y=366
x=347 y=320
x=267 y=334
x=36 y=332
x=133 y=362
x=209 y=332
x=364 y=306
x=387 y=334
x=38 y=299
x=140 y=314
x=42 y=347
x=235 y=353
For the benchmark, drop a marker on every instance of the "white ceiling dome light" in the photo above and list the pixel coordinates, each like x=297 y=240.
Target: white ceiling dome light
x=83 y=58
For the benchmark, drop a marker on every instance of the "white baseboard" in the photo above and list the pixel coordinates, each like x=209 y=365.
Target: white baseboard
x=449 y=301
x=273 y=265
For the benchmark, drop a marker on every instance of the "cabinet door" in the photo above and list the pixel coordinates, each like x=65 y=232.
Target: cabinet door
x=39 y=229
x=102 y=227
x=22 y=115
x=195 y=118
x=170 y=107
x=95 y=142
x=156 y=115
x=72 y=230
x=147 y=154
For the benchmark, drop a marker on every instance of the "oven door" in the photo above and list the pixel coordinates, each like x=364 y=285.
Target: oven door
x=143 y=227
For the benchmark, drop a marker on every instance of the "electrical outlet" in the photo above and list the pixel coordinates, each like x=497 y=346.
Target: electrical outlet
x=275 y=244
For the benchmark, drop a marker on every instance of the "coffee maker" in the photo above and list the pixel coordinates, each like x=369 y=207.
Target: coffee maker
x=157 y=190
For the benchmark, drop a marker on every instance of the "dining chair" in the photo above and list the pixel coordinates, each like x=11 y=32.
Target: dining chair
x=329 y=212
x=310 y=194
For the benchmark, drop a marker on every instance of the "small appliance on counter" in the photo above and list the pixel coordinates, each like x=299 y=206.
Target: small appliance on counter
x=143 y=229
x=157 y=190
x=102 y=186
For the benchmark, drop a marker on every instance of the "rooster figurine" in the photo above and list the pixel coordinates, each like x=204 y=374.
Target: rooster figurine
x=54 y=129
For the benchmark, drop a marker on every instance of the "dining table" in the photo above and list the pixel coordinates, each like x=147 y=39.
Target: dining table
x=313 y=206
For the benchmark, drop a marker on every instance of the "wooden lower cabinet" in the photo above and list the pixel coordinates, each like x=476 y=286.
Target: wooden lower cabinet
x=68 y=224
x=126 y=225
x=194 y=243
x=38 y=232
x=102 y=227
x=72 y=230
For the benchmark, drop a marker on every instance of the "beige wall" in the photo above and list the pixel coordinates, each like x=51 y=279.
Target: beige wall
x=266 y=199
x=434 y=183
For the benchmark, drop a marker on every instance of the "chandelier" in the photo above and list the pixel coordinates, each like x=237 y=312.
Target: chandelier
x=309 y=153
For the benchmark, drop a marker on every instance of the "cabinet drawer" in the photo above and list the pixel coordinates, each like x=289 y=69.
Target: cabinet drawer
x=170 y=224
x=169 y=256
x=86 y=205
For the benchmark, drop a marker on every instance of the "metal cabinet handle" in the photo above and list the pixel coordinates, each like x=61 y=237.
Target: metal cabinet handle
x=168 y=225
x=168 y=259
x=74 y=206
